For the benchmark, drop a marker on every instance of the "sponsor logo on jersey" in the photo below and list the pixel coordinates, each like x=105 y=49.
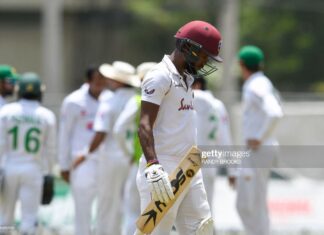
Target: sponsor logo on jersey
x=149 y=92
x=184 y=106
x=90 y=125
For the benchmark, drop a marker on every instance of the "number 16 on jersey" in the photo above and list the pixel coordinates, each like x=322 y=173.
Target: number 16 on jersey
x=30 y=139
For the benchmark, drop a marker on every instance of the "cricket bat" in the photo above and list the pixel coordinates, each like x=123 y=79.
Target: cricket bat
x=180 y=179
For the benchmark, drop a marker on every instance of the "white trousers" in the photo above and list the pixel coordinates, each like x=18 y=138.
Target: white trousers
x=131 y=203
x=252 y=190
x=188 y=211
x=209 y=177
x=84 y=186
x=22 y=182
x=113 y=171
x=252 y=201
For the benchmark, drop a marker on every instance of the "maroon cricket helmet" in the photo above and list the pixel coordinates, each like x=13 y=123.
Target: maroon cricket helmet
x=204 y=34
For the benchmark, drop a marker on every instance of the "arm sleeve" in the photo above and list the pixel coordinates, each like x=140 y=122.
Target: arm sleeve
x=155 y=87
x=124 y=123
x=50 y=144
x=67 y=119
x=273 y=112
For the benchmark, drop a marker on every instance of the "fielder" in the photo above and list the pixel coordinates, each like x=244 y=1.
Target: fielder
x=126 y=135
x=8 y=77
x=27 y=146
x=76 y=132
x=261 y=112
x=113 y=164
x=167 y=128
x=213 y=128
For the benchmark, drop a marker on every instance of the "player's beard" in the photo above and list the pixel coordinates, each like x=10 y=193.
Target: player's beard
x=190 y=68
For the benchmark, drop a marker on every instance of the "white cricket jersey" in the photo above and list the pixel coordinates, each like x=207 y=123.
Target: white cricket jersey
x=126 y=127
x=107 y=115
x=261 y=108
x=76 y=125
x=106 y=95
x=84 y=86
x=174 y=129
x=27 y=133
x=213 y=127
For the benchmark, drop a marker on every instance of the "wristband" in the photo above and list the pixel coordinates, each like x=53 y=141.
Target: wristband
x=151 y=162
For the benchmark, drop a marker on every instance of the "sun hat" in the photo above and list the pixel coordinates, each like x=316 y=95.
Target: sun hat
x=122 y=72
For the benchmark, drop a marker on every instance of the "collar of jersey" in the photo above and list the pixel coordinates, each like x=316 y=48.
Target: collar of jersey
x=28 y=102
x=253 y=77
x=174 y=71
x=124 y=90
x=87 y=93
x=170 y=65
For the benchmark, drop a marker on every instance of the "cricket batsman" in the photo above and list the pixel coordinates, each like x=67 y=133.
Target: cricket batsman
x=167 y=128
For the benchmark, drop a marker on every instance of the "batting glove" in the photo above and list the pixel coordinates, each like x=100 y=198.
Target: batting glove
x=159 y=183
